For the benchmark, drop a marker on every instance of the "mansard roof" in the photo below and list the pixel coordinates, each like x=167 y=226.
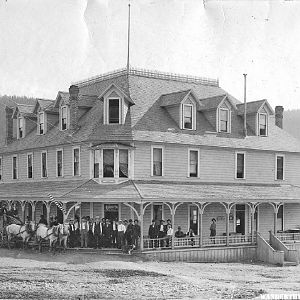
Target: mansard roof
x=147 y=121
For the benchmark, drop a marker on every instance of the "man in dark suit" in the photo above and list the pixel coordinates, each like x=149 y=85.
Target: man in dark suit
x=162 y=233
x=107 y=233
x=97 y=232
x=72 y=236
x=153 y=233
x=136 y=233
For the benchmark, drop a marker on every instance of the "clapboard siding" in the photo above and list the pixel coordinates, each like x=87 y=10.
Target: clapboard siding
x=266 y=219
x=291 y=215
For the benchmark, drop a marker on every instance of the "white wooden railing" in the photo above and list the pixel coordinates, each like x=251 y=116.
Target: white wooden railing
x=285 y=237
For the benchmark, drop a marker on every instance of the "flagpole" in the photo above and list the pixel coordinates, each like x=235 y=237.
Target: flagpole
x=128 y=38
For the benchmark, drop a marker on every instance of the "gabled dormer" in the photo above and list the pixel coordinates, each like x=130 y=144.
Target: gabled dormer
x=25 y=120
x=62 y=103
x=218 y=111
x=182 y=107
x=44 y=110
x=115 y=105
x=257 y=113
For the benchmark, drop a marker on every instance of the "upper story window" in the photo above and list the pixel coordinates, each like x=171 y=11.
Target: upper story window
x=15 y=167
x=108 y=163
x=20 y=127
x=41 y=124
x=193 y=163
x=157 y=161
x=76 y=161
x=240 y=165
x=59 y=163
x=1 y=168
x=44 y=172
x=262 y=124
x=188 y=112
x=224 y=120
x=64 y=118
x=114 y=111
x=279 y=167
x=29 y=165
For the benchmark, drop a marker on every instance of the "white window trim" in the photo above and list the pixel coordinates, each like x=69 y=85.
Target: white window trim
x=189 y=217
x=198 y=168
x=45 y=151
x=38 y=127
x=258 y=122
x=73 y=156
x=18 y=127
x=229 y=120
x=1 y=169
x=17 y=167
x=60 y=117
x=56 y=160
x=121 y=121
x=163 y=210
x=279 y=155
x=235 y=169
x=193 y=116
x=163 y=158
x=29 y=153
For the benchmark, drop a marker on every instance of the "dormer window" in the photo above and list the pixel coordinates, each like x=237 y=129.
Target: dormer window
x=188 y=111
x=262 y=124
x=20 y=127
x=64 y=118
x=41 y=125
x=224 y=120
x=114 y=111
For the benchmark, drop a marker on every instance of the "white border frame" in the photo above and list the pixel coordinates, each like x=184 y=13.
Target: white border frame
x=27 y=166
x=18 y=127
x=17 y=167
x=198 y=168
x=56 y=163
x=193 y=116
x=283 y=175
x=258 y=123
x=106 y=117
x=38 y=125
x=229 y=120
x=60 y=117
x=235 y=167
x=73 y=156
x=162 y=212
x=44 y=151
x=163 y=158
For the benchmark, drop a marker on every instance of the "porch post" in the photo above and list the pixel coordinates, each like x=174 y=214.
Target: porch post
x=65 y=215
x=201 y=227
x=276 y=207
x=173 y=224
x=23 y=210
x=33 y=204
x=227 y=224
x=142 y=226
x=48 y=204
x=252 y=223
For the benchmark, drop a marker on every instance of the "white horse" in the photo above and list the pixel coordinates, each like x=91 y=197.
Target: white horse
x=63 y=234
x=43 y=233
x=14 y=230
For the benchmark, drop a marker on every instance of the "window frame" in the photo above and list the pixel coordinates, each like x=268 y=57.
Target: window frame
x=42 y=152
x=162 y=162
x=162 y=211
x=244 y=169
x=228 y=122
x=29 y=153
x=283 y=167
x=17 y=167
x=39 y=123
x=61 y=117
x=62 y=162
x=189 y=163
x=120 y=110
x=258 y=124
x=193 y=116
x=73 y=161
x=1 y=168
x=19 y=127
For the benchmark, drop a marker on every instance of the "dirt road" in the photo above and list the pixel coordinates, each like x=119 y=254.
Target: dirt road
x=30 y=275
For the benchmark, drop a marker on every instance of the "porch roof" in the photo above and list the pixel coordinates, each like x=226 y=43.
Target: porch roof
x=145 y=191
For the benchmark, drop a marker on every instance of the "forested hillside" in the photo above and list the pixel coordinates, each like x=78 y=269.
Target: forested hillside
x=291 y=122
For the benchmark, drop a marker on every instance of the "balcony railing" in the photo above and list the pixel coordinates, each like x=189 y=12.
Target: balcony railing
x=287 y=237
x=194 y=242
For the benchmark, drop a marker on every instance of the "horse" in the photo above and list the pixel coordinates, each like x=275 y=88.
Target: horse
x=23 y=231
x=44 y=233
x=63 y=234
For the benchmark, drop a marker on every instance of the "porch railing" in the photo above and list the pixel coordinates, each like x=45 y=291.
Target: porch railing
x=193 y=242
x=285 y=237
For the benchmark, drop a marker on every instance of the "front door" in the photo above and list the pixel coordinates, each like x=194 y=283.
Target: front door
x=194 y=219
x=240 y=218
x=111 y=212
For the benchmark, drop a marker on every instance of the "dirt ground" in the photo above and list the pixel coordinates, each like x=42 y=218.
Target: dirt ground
x=30 y=275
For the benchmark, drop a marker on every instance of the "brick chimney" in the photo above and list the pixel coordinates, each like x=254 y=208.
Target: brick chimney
x=279 y=116
x=73 y=91
x=9 y=122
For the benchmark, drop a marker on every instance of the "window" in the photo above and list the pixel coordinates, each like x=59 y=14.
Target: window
x=240 y=165
x=64 y=118
x=188 y=116
x=76 y=162
x=15 y=167
x=157 y=162
x=279 y=167
x=157 y=212
x=41 y=125
x=263 y=120
x=59 y=163
x=224 y=120
x=108 y=163
x=1 y=168
x=97 y=159
x=44 y=164
x=123 y=163
x=113 y=111
x=20 y=127
x=29 y=165
x=193 y=163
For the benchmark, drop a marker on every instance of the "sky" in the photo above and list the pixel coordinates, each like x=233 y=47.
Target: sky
x=45 y=45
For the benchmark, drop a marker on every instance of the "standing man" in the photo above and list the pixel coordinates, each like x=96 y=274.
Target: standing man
x=114 y=233
x=97 y=231
x=213 y=230
x=136 y=233
x=43 y=220
x=121 y=235
x=162 y=233
x=72 y=237
x=84 y=233
x=107 y=230
x=153 y=233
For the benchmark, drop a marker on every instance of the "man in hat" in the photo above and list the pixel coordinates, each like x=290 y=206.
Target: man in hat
x=162 y=233
x=153 y=233
x=121 y=235
x=72 y=237
x=97 y=232
x=84 y=233
x=136 y=233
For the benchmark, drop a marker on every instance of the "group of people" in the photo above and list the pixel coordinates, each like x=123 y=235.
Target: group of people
x=104 y=233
